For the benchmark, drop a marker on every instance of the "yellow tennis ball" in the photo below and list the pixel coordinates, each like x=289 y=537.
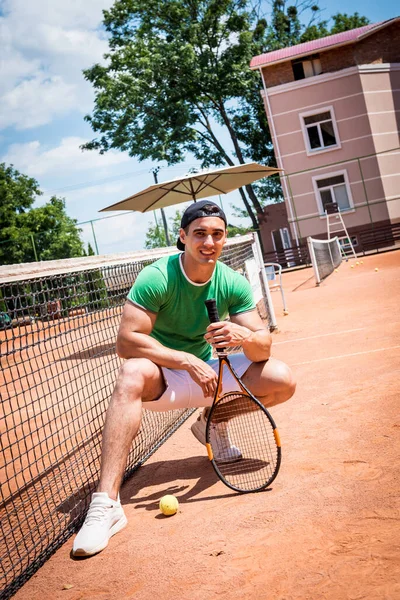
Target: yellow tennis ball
x=352 y=266
x=376 y=269
x=357 y=263
x=361 y=262
x=169 y=505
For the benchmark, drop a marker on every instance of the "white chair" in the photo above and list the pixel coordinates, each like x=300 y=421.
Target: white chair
x=274 y=277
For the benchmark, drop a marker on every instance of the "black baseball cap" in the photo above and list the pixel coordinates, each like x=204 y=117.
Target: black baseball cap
x=198 y=210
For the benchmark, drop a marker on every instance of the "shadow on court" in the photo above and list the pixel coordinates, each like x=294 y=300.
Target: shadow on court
x=194 y=475
x=93 y=352
x=163 y=476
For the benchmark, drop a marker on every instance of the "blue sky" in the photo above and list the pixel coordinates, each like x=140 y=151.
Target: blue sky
x=44 y=97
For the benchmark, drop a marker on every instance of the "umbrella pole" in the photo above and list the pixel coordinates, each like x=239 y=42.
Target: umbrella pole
x=192 y=190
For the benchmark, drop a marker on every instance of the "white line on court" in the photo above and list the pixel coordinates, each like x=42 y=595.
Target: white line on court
x=311 y=337
x=308 y=362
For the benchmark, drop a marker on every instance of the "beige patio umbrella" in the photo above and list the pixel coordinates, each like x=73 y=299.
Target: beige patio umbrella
x=194 y=187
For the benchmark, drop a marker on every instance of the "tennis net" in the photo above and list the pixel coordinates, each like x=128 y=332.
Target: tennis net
x=58 y=327
x=325 y=256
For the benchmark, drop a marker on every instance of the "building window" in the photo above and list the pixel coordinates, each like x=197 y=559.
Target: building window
x=320 y=131
x=334 y=188
x=308 y=66
x=281 y=239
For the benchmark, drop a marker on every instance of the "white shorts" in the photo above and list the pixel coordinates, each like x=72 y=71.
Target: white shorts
x=182 y=392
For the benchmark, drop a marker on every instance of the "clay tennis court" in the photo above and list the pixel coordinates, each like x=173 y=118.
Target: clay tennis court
x=329 y=526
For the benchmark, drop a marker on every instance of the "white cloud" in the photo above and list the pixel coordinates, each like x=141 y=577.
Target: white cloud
x=13 y=65
x=45 y=47
x=85 y=46
x=96 y=195
x=37 y=161
x=36 y=101
x=73 y=13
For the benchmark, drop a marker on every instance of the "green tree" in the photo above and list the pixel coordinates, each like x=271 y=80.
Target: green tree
x=17 y=194
x=56 y=234
x=344 y=22
x=237 y=230
x=155 y=235
x=174 y=74
x=341 y=22
x=27 y=233
x=177 y=80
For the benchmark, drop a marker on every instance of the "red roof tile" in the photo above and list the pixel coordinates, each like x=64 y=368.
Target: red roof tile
x=345 y=37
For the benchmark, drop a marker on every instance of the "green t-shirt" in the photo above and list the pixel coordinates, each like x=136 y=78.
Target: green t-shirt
x=182 y=318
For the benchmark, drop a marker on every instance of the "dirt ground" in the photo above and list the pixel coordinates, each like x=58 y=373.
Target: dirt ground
x=329 y=526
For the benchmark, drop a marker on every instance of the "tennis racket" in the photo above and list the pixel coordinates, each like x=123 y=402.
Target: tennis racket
x=242 y=440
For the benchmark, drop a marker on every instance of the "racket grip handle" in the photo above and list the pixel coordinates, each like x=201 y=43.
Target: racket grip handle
x=211 y=306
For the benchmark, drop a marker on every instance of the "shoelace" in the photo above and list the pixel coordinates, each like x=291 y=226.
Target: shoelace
x=96 y=513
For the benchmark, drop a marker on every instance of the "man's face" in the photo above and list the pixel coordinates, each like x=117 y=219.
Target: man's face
x=205 y=239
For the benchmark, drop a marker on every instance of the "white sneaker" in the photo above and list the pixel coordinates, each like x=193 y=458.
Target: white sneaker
x=224 y=450
x=105 y=518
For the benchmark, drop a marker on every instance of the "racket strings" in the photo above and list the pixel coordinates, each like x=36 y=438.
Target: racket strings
x=242 y=439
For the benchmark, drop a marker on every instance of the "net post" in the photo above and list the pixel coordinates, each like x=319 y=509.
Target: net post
x=339 y=247
x=267 y=298
x=313 y=260
x=325 y=256
x=330 y=254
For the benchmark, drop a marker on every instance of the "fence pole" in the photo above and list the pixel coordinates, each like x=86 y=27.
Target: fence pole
x=294 y=207
x=94 y=237
x=164 y=220
x=34 y=247
x=365 y=192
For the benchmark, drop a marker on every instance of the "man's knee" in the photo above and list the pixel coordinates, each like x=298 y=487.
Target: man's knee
x=134 y=376
x=283 y=382
x=285 y=379
x=272 y=377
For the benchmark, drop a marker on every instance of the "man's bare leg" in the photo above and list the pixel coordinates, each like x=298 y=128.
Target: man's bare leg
x=138 y=380
x=272 y=382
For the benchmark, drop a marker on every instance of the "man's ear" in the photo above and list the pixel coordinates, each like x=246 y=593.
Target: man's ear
x=182 y=235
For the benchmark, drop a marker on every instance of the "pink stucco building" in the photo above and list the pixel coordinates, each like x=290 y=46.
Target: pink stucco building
x=333 y=106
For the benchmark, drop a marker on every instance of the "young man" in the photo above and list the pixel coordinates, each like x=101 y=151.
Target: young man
x=166 y=338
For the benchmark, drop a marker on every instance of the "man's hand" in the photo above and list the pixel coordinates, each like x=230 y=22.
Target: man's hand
x=226 y=334
x=202 y=374
x=246 y=330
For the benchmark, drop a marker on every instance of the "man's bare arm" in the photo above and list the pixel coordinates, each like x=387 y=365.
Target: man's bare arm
x=134 y=341
x=246 y=330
